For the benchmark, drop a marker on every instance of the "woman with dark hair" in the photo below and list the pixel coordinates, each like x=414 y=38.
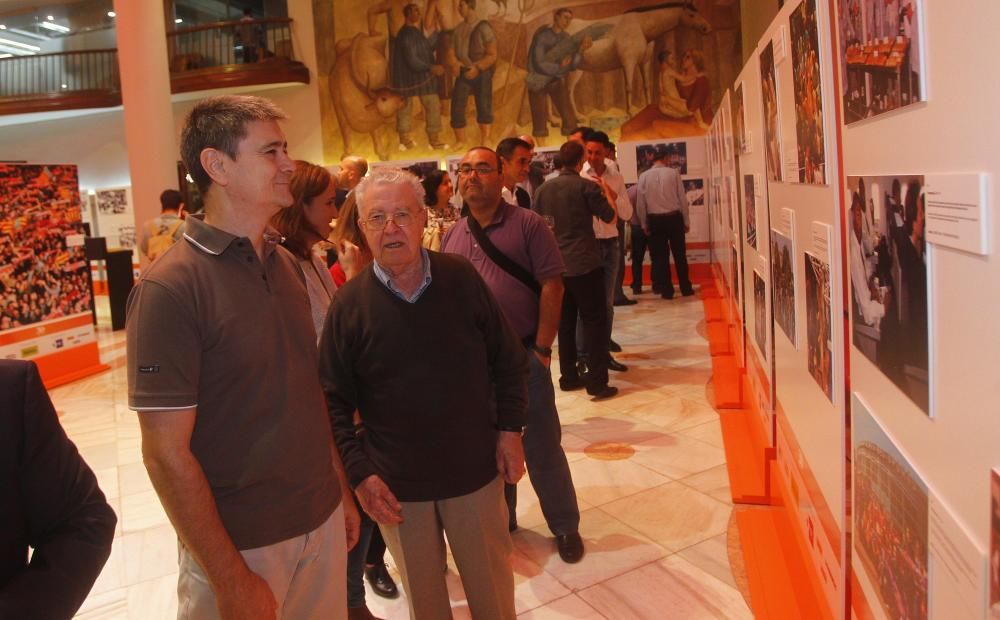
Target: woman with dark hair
x=441 y=214
x=304 y=226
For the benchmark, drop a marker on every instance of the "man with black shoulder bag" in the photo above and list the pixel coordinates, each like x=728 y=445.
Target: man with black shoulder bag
x=519 y=259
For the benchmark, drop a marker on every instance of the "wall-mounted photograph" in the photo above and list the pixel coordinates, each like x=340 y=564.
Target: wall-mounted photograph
x=808 y=94
x=739 y=121
x=750 y=209
x=769 y=98
x=881 y=56
x=819 y=335
x=889 y=283
x=891 y=509
x=676 y=156
x=760 y=313
x=783 y=284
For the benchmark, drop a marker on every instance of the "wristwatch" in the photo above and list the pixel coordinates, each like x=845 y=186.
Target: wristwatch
x=545 y=351
x=510 y=429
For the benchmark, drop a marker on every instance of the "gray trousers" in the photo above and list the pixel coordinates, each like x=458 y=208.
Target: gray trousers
x=546 y=462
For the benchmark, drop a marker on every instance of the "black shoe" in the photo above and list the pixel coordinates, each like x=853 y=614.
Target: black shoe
x=603 y=392
x=636 y=291
x=614 y=347
x=626 y=302
x=512 y=525
x=688 y=292
x=570 y=547
x=616 y=366
x=381 y=581
x=568 y=385
x=669 y=295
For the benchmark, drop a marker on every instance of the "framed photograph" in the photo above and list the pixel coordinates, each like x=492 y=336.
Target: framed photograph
x=783 y=284
x=740 y=136
x=994 y=594
x=750 y=209
x=760 y=313
x=819 y=323
x=881 y=56
x=808 y=94
x=769 y=97
x=889 y=280
x=891 y=508
x=695 y=190
x=676 y=158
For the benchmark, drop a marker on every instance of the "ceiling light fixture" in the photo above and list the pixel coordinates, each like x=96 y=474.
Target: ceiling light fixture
x=178 y=20
x=112 y=14
x=33 y=48
x=6 y=55
x=54 y=27
x=2 y=27
x=50 y=18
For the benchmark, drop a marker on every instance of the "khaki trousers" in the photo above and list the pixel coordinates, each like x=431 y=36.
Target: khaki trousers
x=307 y=575
x=476 y=527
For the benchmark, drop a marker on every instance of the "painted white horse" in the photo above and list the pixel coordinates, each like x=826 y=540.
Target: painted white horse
x=628 y=46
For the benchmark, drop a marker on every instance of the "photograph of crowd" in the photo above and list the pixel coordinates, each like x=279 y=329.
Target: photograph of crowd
x=890 y=520
x=808 y=96
x=112 y=201
x=695 y=191
x=40 y=277
x=760 y=322
x=881 y=56
x=994 y=612
x=769 y=95
x=750 y=209
x=126 y=236
x=783 y=284
x=739 y=121
x=819 y=320
x=676 y=156
x=889 y=287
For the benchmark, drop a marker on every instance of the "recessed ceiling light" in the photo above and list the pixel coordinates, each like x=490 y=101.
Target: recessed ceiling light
x=64 y=86
x=50 y=18
x=2 y=27
x=112 y=13
x=178 y=20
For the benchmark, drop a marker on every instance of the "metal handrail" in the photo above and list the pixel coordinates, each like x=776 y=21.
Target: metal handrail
x=60 y=72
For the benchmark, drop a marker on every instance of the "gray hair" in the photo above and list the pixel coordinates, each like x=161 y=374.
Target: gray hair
x=388 y=176
x=221 y=123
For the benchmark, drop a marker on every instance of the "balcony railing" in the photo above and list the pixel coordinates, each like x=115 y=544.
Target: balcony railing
x=46 y=81
x=218 y=55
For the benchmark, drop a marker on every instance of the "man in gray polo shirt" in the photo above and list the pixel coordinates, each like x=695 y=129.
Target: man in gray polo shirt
x=222 y=368
x=522 y=236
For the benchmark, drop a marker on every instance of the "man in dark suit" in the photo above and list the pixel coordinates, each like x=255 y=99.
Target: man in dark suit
x=49 y=501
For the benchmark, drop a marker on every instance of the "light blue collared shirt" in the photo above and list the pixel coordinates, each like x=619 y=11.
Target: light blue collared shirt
x=384 y=277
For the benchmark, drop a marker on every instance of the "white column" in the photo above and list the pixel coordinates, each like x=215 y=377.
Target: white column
x=149 y=120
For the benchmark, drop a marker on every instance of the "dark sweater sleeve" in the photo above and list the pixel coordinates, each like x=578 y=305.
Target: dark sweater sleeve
x=69 y=524
x=336 y=371
x=508 y=360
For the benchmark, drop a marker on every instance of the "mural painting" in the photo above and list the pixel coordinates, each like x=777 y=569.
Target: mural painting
x=430 y=78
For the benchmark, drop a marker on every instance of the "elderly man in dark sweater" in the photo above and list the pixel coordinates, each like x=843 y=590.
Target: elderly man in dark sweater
x=420 y=348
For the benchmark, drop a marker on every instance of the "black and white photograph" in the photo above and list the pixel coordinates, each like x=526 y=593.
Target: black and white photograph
x=112 y=201
x=819 y=338
x=881 y=56
x=760 y=313
x=891 y=507
x=889 y=284
x=783 y=284
x=695 y=190
x=750 y=209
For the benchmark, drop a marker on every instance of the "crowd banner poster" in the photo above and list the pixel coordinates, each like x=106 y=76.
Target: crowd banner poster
x=45 y=297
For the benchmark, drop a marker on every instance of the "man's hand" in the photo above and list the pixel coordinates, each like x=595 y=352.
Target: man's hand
x=248 y=597
x=349 y=256
x=471 y=73
x=510 y=456
x=352 y=520
x=378 y=501
x=586 y=44
x=545 y=360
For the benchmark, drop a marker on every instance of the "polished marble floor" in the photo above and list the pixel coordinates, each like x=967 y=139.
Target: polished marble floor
x=648 y=465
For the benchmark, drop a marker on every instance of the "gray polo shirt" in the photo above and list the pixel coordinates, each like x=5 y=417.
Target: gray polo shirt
x=211 y=326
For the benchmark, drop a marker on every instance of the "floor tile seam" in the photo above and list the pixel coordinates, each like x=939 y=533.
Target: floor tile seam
x=572 y=594
x=655 y=486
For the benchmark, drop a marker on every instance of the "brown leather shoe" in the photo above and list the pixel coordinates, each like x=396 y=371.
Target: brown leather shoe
x=381 y=581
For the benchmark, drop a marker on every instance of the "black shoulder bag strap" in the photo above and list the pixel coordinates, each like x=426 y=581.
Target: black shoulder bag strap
x=501 y=259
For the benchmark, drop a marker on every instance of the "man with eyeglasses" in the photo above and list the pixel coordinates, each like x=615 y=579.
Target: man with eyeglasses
x=438 y=444
x=531 y=301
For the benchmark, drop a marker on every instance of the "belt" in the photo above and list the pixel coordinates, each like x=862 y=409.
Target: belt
x=608 y=240
x=672 y=213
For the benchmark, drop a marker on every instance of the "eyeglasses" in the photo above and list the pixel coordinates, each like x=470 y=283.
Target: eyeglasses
x=381 y=220
x=482 y=169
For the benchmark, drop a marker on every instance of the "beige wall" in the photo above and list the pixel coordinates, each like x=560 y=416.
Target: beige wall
x=756 y=16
